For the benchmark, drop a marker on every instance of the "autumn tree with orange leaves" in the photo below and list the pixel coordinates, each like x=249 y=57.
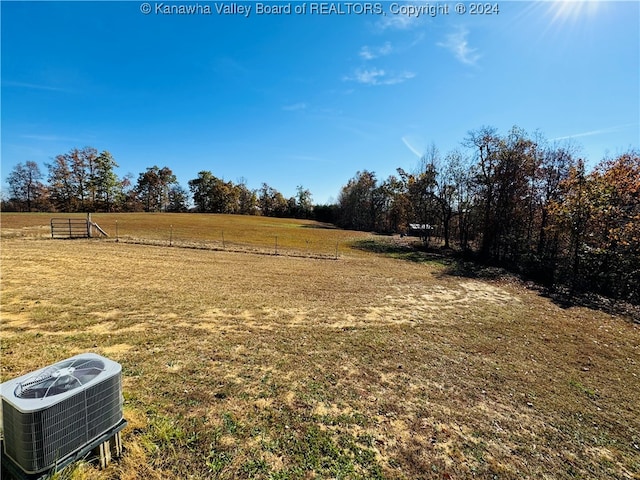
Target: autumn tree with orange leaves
x=597 y=216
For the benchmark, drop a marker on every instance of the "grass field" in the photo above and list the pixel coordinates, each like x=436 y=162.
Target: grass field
x=238 y=365
x=213 y=232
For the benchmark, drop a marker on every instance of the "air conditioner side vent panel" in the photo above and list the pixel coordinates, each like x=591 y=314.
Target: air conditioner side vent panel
x=40 y=432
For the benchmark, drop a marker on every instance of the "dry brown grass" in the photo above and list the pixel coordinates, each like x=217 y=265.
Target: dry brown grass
x=233 y=233
x=262 y=366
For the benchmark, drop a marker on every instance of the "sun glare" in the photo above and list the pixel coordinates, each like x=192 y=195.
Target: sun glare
x=566 y=18
x=572 y=11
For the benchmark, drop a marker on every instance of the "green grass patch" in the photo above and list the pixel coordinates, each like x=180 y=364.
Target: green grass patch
x=263 y=366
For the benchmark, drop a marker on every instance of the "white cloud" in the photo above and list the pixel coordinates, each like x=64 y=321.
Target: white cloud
x=50 y=138
x=33 y=86
x=416 y=151
x=369 y=53
x=398 y=22
x=295 y=106
x=596 y=132
x=457 y=43
x=367 y=76
x=308 y=158
x=377 y=76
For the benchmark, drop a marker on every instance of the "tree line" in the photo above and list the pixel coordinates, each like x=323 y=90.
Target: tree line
x=84 y=180
x=513 y=200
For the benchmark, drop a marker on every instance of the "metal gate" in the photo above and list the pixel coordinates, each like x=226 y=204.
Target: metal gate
x=70 y=228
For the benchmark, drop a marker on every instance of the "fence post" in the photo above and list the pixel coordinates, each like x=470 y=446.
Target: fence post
x=117 y=239
x=171 y=236
x=89 y=225
x=276 y=245
x=70 y=229
x=336 y=250
x=223 y=246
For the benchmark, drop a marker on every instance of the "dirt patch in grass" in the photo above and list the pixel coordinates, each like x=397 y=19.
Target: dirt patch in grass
x=254 y=366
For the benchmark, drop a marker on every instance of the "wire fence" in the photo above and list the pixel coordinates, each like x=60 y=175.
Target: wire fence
x=257 y=235
x=276 y=245
x=215 y=239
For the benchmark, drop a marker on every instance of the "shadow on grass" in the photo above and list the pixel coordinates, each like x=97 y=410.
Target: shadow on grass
x=564 y=298
x=457 y=264
x=321 y=226
x=402 y=251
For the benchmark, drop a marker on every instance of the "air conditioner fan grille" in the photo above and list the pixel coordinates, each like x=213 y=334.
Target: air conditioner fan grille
x=60 y=378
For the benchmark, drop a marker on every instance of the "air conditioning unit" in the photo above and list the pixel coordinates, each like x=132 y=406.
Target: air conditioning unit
x=50 y=414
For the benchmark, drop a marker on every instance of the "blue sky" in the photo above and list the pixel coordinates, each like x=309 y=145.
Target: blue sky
x=310 y=99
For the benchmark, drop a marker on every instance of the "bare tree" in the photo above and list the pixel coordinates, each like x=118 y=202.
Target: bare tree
x=25 y=185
